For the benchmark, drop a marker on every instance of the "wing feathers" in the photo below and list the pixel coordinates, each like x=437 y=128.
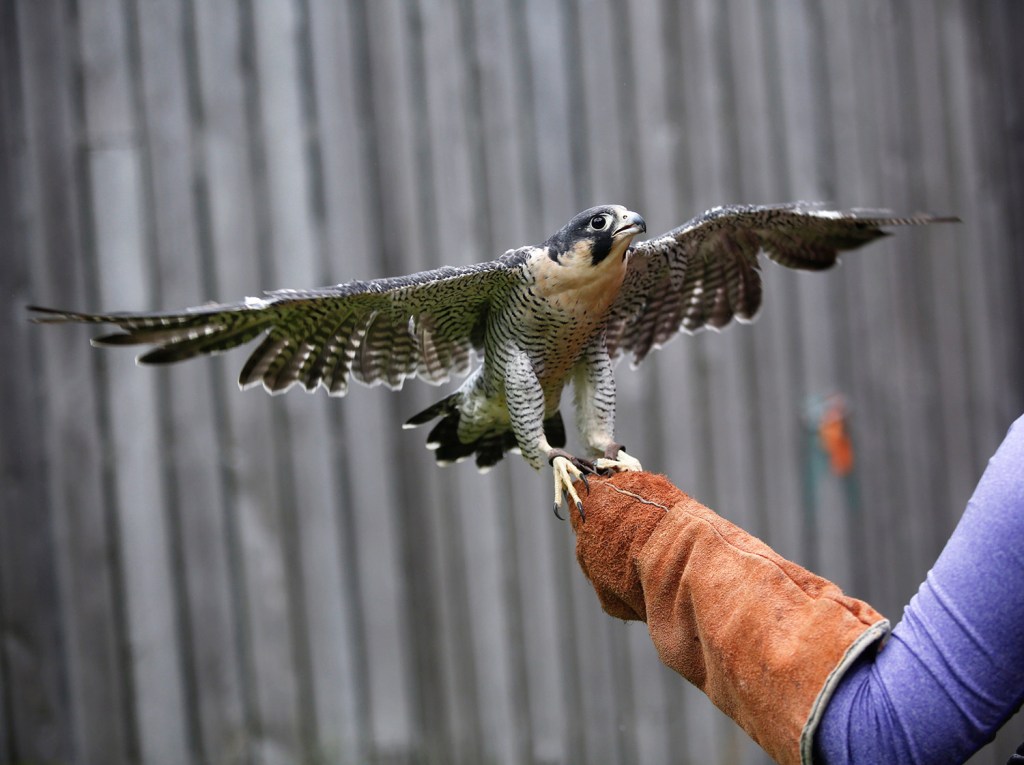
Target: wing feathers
x=338 y=363
x=259 y=363
x=385 y=354
x=195 y=343
x=378 y=332
x=331 y=343
x=707 y=271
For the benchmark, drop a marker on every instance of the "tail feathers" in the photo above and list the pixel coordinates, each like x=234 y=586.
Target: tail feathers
x=444 y=440
x=445 y=406
x=488 y=448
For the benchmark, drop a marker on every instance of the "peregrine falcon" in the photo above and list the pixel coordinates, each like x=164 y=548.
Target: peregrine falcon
x=538 y=317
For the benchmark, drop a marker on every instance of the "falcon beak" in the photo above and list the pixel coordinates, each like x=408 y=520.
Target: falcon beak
x=631 y=224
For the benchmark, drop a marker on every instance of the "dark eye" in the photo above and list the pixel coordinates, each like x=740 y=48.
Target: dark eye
x=598 y=222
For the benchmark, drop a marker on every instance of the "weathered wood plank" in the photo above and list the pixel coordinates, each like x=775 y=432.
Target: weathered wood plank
x=917 y=272
x=35 y=719
x=777 y=351
x=807 y=157
x=368 y=515
x=422 y=242
x=128 y=413
x=167 y=91
x=998 y=214
x=400 y=165
x=933 y=264
x=304 y=445
x=869 y=336
x=750 y=178
x=136 y=481
x=866 y=420
x=235 y=168
x=909 y=386
x=100 y=711
x=338 y=651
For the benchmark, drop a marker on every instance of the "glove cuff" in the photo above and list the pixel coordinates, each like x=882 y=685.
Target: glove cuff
x=869 y=640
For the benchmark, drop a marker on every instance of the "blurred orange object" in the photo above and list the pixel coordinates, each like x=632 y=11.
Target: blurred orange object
x=835 y=437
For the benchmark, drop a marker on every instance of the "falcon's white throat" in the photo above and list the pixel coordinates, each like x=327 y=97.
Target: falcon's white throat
x=577 y=286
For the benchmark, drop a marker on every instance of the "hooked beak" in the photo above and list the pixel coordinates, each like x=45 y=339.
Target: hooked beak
x=630 y=224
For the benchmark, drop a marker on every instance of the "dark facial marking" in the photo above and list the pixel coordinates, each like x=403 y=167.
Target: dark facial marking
x=602 y=246
x=595 y=225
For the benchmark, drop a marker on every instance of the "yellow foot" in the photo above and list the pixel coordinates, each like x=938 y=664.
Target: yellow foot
x=567 y=470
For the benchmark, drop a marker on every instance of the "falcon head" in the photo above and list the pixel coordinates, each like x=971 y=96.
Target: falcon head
x=595 y=236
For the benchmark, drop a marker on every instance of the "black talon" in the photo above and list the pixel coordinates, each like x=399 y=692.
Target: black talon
x=583 y=516
x=586 y=483
x=555 y=509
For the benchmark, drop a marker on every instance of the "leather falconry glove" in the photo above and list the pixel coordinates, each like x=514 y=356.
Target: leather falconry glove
x=765 y=639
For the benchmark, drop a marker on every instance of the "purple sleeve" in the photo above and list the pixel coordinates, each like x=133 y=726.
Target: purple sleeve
x=953 y=670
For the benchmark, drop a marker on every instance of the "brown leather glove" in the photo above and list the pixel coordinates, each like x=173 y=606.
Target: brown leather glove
x=765 y=639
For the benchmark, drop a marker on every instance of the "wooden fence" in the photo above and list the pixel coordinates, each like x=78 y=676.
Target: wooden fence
x=190 y=574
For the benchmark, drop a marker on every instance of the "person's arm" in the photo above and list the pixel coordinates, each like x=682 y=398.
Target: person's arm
x=953 y=670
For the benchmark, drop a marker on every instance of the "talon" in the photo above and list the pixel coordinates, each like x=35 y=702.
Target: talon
x=566 y=470
x=579 y=508
x=586 y=483
x=558 y=515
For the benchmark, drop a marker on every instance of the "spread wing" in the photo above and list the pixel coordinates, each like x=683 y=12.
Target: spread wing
x=707 y=271
x=426 y=325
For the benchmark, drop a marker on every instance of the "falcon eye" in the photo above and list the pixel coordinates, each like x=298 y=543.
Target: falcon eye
x=598 y=222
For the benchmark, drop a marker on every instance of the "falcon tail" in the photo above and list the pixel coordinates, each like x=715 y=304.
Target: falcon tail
x=489 y=448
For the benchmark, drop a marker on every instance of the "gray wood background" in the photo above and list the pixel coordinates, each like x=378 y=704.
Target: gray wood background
x=190 y=574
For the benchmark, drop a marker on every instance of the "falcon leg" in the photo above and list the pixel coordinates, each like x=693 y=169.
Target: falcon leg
x=594 y=382
x=525 y=399
x=616 y=460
